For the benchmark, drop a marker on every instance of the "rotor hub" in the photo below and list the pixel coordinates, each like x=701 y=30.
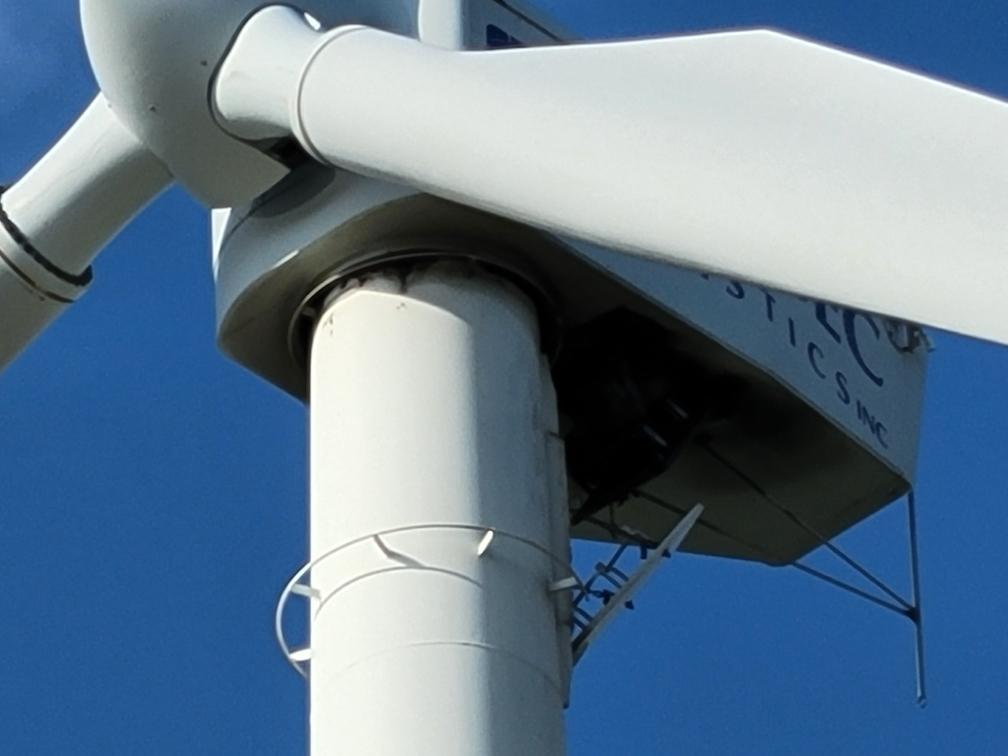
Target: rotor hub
x=155 y=61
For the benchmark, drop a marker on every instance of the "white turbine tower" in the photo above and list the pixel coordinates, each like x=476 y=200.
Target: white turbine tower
x=444 y=312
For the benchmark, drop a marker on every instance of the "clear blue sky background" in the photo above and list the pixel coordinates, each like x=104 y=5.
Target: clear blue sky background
x=152 y=499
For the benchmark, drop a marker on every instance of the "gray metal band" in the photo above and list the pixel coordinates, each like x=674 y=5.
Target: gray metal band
x=31 y=283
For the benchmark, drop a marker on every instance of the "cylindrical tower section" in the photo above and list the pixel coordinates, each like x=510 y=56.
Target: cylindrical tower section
x=434 y=466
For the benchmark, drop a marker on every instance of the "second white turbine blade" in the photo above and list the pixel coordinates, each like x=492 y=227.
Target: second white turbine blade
x=56 y=219
x=751 y=154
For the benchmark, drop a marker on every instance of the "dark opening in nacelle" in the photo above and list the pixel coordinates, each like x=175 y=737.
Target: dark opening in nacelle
x=630 y=402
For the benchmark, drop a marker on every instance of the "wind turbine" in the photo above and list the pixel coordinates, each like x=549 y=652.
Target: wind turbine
x=148 y=175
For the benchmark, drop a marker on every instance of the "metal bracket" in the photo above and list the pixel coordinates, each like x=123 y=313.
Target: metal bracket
x=898 y=605
x=625 y=585
x=892 y=601
x=564 y=577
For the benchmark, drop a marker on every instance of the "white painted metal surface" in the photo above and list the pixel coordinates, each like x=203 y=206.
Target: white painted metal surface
x=60 y=215
x=752 y=154
x=273 y=252
x=261 y=97
x=439 y=507
x=154 y=60
x=442 y=23
x=431 y=405
x=86 y=188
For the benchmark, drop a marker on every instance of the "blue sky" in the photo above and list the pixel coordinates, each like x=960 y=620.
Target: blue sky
x=153 y=496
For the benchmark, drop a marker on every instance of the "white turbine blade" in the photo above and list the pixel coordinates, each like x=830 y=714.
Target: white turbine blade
x=751 y=154
x=23 y=314
x=55 y=220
